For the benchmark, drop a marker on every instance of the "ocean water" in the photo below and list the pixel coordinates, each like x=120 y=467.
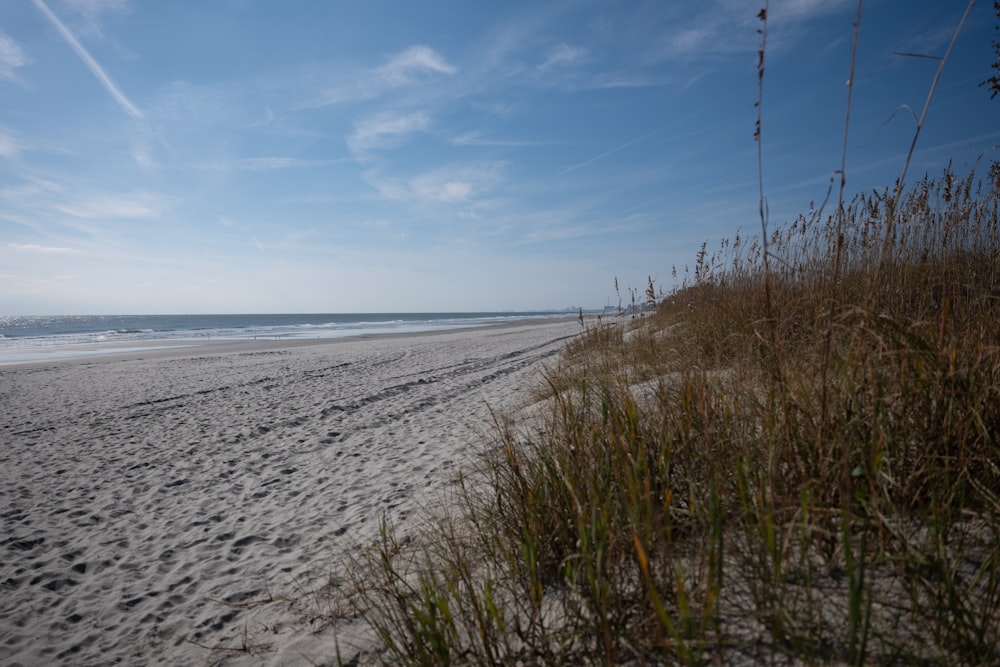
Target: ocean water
x=25 y=337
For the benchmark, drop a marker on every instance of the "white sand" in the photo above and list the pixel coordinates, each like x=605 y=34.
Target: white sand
x=141 y=492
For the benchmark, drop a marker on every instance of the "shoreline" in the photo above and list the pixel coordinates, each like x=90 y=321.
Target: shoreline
x=150 y=497
x=181 y=347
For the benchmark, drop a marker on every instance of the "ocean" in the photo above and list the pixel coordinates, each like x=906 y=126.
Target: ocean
x=25 y=337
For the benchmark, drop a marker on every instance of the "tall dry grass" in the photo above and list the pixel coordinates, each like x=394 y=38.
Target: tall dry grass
x=675 y=500
x=795 y=459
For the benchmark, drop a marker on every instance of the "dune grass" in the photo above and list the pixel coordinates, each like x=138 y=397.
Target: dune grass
x=687 y=489
x=793 y=460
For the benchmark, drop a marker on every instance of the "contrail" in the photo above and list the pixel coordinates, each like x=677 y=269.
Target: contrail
x=613 y=150
x=89 y=61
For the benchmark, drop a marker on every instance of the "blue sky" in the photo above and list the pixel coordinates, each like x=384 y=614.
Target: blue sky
x=201 y=156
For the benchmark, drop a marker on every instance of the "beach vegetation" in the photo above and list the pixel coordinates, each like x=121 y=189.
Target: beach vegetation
x=794 y=458
x=686 y=489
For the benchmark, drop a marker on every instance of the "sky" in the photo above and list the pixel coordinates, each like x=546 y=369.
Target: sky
x=247 y=156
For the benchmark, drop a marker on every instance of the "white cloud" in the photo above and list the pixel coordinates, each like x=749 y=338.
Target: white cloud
x=385 y=130
x=9 y=146
x=31 y=247
x=724 y=26
x=344 y=92
x=109 y=207
x=359 y=85
x=806 y=9
x=31 y=187
x=691 y=39
x=564 y=54
x=447 y=185
x=89 y=61
x=415 y=60
x=267 y=120
x=613 y=150
x=142 y=152
x=17 y=219
x=447 y=191
x=476 y=139
x=12 y=56
x=499 y=109
x=629 y=80
x=266 y=163
x=931 y=42
x=91 y=13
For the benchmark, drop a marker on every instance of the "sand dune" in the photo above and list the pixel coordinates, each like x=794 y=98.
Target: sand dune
x=143 y=501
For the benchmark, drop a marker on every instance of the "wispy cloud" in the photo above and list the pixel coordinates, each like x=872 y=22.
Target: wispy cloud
x=267 y=120
x=402 y=69
x=612 y=151
x=572 y=221
x=807 y=9
x=110 y=207
x=721 y=27
x=446 y=185
x=384 y=130
x=609 y=80
x=91 y=13
x=267 y=163
x=564 y=54
x=689 y=40
x=929 y=42
x=12 y=56
x=18 y=219
x=31 y=247
x=15 y=144
x=415 y=60
x=476 y=139
x=89 y=61
x=506 y=39
x=30 y=189
x=9 y=146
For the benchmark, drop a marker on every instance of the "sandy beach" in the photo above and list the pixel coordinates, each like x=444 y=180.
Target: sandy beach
x=146 y=496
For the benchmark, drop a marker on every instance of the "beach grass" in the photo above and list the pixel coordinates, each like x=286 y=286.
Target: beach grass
x=720 y=481
x=791 y=458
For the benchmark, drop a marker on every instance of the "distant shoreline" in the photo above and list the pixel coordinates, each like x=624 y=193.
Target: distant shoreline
x=171 y=348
